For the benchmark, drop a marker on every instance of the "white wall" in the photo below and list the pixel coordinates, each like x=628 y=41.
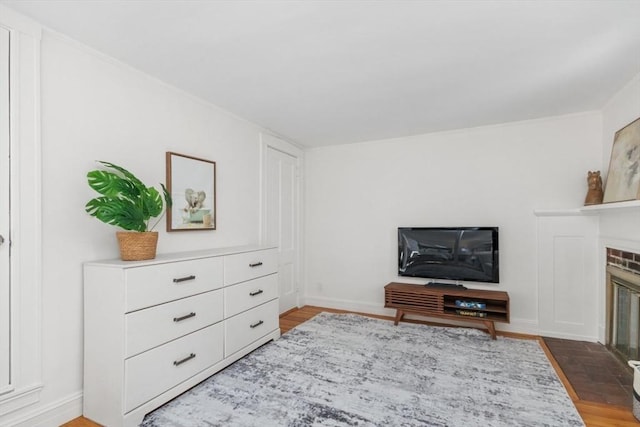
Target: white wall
x=357 y=195
x=94 y=108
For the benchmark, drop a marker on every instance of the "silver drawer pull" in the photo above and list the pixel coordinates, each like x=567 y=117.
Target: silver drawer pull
x=255 y=264
x=184 y=279
x=255 y=325
x=185 y=317
x=258 y=292
x=186 y=359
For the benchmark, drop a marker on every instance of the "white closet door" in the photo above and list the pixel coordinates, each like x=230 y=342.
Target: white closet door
x=5 y=296
x=281 y=214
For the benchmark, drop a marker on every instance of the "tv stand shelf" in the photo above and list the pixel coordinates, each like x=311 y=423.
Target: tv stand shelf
x=441 y=303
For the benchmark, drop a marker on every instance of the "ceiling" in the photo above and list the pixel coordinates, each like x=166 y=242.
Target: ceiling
x=332 y=72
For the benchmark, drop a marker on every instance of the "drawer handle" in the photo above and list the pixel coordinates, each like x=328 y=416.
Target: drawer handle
x=186 y=359
x=258 y=292
x=255 y=264
x=184 y=279
x=255 y=325
x=185 y=317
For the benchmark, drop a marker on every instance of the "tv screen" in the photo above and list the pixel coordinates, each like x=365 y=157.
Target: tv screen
x=453 y=253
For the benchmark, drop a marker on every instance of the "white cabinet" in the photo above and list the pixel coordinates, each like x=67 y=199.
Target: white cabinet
x=244 y=328
x=151 y=373
x=568 y=277
x=154 y=329
x=156 y=284
x=243 y=296
x=145 y=329
x=249 y=265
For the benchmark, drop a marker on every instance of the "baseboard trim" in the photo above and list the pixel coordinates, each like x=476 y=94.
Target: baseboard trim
x=51 y=415
x=19 y=399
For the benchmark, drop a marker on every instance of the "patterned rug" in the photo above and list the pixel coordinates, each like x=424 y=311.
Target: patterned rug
x=350 y=370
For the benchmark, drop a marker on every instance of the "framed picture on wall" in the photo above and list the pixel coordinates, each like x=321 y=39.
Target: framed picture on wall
x=191 y=181
x=623 y=178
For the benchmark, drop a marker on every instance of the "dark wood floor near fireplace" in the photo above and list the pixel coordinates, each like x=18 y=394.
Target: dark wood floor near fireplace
x=595 y=374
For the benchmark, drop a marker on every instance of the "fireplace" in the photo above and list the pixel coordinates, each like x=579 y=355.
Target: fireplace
x=623 y=304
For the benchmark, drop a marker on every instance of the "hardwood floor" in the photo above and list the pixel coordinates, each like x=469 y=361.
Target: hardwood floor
x=593 y=414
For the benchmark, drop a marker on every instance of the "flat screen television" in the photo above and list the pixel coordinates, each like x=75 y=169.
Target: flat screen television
x=467 y=254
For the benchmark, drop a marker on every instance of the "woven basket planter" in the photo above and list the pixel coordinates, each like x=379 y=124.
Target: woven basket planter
x=137 y=246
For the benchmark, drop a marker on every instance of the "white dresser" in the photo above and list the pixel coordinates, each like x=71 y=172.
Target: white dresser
x=153 y=329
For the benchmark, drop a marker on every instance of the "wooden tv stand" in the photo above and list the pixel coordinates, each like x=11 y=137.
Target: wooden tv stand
x=441 y=302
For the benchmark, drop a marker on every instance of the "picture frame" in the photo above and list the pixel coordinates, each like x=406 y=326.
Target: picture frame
x=191 y=181
x=623 y=177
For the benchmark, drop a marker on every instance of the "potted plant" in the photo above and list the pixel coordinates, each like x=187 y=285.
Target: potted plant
x=129 y=204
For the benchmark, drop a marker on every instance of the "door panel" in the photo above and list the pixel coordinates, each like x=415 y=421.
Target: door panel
x=5 y=296
x=281 y=220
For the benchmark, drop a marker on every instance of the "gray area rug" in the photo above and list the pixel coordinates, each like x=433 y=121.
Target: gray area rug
x=350 y=370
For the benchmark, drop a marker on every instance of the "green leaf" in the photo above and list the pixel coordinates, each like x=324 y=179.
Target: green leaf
x=126 y=202
x=152 y=203
x=128 y=175
x=167 y=197
x=119 y=212
x=109 y=184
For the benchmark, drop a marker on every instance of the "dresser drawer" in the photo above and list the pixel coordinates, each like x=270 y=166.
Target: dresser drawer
x=243 y=329
x=156 y=284
x=249 y=265
x=156 y=325
x=155 y=371
x=246 y=295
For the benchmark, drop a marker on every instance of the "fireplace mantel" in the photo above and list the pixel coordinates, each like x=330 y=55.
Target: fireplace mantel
x=610 y=207
x=591 y=209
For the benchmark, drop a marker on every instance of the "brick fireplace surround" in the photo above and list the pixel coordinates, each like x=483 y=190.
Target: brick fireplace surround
x=624 y=260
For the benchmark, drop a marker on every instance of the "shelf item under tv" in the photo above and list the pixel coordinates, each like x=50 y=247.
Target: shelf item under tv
x=440 y=302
